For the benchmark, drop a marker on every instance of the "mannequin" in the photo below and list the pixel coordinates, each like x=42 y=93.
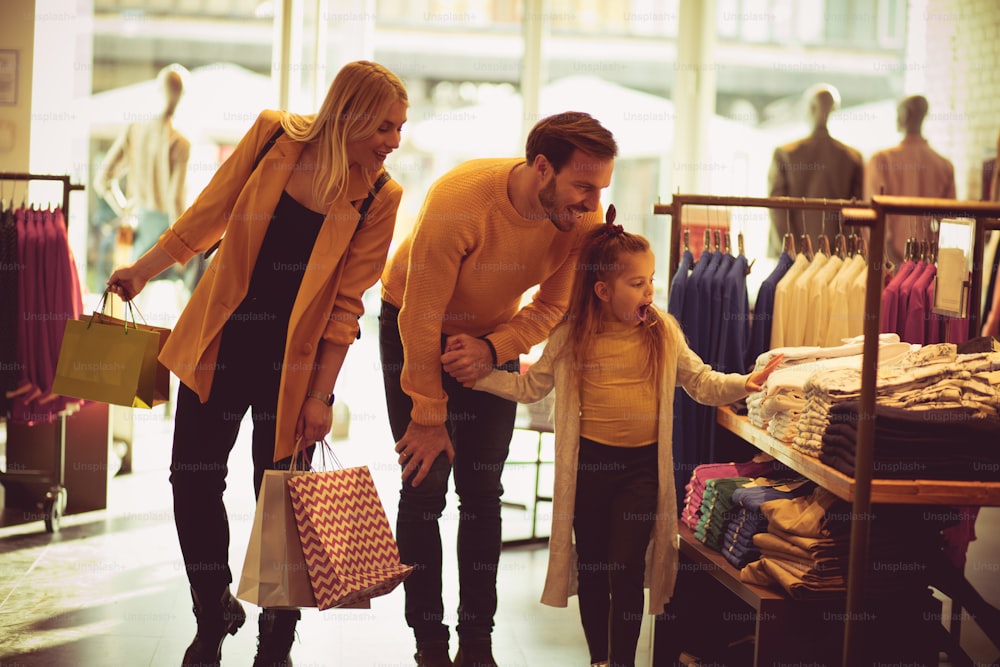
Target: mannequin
x=913 y=169
x=153 y=157
x=815 y=166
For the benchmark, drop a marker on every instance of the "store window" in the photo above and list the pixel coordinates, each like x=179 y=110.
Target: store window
x=222 y=54
x=463 y=62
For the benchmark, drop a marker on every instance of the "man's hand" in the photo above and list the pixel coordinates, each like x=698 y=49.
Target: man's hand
x=466 y=358
x=418 y=448
x=755 y=382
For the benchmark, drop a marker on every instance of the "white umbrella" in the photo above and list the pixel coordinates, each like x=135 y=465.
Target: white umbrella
x=643 y=124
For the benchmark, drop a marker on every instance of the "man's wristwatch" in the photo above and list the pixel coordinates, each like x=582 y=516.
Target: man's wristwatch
x=320 y=396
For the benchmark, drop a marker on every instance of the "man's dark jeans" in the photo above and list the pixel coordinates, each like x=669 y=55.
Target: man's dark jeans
x=480 y=425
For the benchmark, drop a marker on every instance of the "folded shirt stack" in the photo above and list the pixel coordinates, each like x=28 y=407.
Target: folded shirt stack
x=761 y=466
x=784 y=392
x=716 y=502
x=747 y=518
x=806 y=547
x=957 y=442
x=930 y=378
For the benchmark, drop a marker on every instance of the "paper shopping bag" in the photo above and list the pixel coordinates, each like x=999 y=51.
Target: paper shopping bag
x=346 y=540
x=274 y=571
x=154 y=381
x=107 y=362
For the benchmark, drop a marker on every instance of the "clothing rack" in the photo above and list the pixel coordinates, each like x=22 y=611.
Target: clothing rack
x=871 y=216
x=67 y=184
x=874 y=218
x=676 y=211
x=54 y=503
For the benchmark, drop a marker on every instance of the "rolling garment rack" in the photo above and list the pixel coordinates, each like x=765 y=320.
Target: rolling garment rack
x=861 y=490
x=54 y=503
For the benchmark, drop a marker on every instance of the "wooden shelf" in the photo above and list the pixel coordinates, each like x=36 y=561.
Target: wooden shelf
x=715 y=564
x=900 y=491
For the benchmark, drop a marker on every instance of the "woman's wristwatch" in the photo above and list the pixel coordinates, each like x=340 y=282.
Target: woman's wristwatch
x=321 y=396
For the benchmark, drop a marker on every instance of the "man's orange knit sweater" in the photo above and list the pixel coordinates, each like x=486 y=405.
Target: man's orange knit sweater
x=464 y=268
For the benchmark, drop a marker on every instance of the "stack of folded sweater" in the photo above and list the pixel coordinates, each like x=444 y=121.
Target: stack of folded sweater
x=932 y=377
x=760 y=466
x=748 y=519
x=778 y=406
x=805 y=549
x=716 y=502
x=957 y=442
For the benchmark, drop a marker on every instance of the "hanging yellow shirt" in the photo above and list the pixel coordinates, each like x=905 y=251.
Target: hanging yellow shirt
x=618 y=403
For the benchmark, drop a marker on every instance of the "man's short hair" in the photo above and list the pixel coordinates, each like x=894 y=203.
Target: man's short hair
x=557 y=136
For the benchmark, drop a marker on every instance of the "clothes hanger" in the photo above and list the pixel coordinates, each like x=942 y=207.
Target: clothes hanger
x=687 y=239
x=807 y=246
x=852 y=244
x=840 y=241
x=824 y=240
x=788 y=243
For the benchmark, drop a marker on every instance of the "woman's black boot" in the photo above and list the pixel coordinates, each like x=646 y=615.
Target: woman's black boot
x=217 y=615
x=275 y=637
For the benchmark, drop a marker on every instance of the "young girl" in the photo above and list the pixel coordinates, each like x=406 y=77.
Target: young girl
x=614 y=363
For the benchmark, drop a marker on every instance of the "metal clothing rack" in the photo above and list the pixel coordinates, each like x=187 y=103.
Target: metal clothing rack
x=54 y=503
x=676 y=211
x=873 y=217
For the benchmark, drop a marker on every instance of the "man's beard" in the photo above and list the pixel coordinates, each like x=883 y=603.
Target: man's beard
x=565 y=221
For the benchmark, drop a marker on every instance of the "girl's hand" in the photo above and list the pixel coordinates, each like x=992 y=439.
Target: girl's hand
x=756 y=380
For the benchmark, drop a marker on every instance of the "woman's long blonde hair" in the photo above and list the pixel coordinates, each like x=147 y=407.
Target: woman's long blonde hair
x=600 y=260
x=355 y=105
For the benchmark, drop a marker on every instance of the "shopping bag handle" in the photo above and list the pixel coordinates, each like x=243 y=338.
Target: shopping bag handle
x=102 y=308
x=130 y=310
x=323 y=446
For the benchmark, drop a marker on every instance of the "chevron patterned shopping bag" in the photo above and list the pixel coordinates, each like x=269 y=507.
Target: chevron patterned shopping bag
x=347 y=543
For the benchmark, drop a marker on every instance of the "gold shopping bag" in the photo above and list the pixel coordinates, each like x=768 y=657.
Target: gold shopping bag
x=109 y=360
x=154 y=385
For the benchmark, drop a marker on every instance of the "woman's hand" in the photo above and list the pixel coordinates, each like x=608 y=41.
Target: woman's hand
x=127 y=282
x=756 y=380
x=315 y=421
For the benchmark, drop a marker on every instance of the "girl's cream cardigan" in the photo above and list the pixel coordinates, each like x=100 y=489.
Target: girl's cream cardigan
x=553 y=371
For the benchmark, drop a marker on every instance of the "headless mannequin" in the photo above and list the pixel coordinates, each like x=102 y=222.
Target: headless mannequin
x=153 y=156
x=910 y=169
x=815 y=166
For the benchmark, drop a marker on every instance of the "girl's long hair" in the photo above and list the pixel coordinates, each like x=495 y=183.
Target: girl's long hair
x=355 y=105
x=600 y=259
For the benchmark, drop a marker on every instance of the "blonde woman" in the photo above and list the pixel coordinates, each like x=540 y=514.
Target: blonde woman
x=302 y=239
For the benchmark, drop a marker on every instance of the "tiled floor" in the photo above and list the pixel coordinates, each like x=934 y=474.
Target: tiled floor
x=109 y=589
